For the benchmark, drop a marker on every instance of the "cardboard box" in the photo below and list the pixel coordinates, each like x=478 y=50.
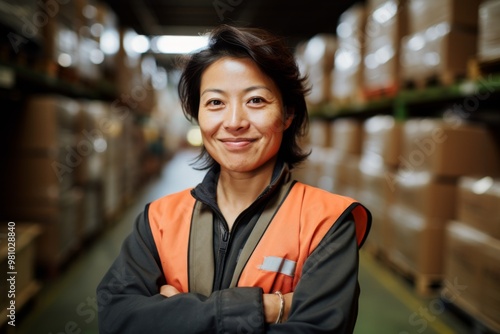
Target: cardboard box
x=478 y=204
x=449 y=149
x=347 y=74
x=382 y=138
x=381 y=231
x=47 y=123
x=386 y=25
x=417 y=242
x=320 y=132
x=473 y=273
x=462 y=264
x=339 y=173
x=318 y=58
x=489 y=31
x=426 y=195
x=60 y=223
x=25 y=251
x=347 y=135
x=375 y=184
x=423 y=14
x=444 y=54
x=490 y=284
x=37 y=178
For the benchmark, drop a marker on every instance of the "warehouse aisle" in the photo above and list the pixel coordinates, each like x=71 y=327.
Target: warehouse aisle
x=68 y=305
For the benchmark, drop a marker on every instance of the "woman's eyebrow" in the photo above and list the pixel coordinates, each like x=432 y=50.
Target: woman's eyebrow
x=246 y=90
x=212 y=90
x=251 y=88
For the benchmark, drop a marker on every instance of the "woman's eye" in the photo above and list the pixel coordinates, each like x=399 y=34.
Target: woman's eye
x=214 y=103
x=256 y=100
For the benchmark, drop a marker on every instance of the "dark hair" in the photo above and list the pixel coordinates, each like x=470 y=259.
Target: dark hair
x=273 y=58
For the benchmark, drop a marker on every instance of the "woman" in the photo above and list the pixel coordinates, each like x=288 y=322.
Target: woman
x=248 y=250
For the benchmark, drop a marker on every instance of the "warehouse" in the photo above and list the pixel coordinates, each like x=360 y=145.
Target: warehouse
x=403 y=112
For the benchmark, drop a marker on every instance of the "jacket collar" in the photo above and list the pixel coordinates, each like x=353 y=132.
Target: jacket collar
x=206 y=191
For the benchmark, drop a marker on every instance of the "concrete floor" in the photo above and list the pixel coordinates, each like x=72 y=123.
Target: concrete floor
x=388 y=304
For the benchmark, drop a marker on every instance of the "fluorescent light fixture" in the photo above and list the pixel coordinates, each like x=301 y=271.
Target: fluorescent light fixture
x=140 y=44
x=110 y=42
x=172 y=44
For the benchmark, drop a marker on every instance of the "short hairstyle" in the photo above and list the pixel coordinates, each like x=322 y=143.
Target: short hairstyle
x=274 y=59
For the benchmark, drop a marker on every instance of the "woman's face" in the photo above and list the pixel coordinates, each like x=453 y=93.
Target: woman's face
x=240 y=115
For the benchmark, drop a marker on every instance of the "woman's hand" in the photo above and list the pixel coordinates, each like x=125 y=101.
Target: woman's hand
x=168 y=290
x=271 y=303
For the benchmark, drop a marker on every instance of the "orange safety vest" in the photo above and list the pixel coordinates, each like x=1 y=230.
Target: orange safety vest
x=275 y=263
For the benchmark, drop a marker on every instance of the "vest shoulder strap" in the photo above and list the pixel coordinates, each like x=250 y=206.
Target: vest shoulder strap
x=260 y=228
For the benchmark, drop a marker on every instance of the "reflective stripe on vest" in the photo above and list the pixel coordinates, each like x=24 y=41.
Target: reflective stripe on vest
x=303 y=219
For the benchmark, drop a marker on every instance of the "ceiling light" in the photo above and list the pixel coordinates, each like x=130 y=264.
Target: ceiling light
x=180 y=44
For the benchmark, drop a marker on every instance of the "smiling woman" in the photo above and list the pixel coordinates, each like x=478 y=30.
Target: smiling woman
x=241 y=116
x=249 y=249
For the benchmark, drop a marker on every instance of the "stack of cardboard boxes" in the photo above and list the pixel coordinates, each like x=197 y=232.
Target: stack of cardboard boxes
x=385 y=26
x=347 y=74
x=41 y=175
x=435 y=154
x=316 y=61
x=378 y=163
x=489 y=31
x=442 y=38
x=472 y=253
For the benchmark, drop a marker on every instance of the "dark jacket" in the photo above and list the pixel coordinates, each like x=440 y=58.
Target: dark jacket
x=325 y=300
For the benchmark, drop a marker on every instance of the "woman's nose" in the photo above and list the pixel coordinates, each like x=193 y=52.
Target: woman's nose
x=236 y=119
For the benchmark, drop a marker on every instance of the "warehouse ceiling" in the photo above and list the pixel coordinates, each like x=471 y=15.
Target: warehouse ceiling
x=294 y=19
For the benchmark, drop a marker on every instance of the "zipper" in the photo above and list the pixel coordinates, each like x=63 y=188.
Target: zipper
x=222 y=251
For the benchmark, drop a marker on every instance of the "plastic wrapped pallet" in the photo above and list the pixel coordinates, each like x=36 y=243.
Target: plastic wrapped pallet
x=382 y=139
x=317 y=60
x=377 y=195
x=423 y=14
x=489 y=30
x=417 y=243
x=347 y=72
x=26 y=284
x=472 y=273
x=429 y=196
x=347 y=135
x=438 y=52
x=462 y=251
x=478 y=204
x=384 y=29
x=448 y=149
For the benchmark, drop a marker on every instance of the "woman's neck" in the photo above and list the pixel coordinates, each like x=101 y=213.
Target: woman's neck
x=236 y=190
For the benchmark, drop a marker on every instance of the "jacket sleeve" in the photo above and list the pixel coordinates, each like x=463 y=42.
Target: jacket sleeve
x=326 y=297
x=129 y=300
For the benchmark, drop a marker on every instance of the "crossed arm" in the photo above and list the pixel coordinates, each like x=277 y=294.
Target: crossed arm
x=134 y=297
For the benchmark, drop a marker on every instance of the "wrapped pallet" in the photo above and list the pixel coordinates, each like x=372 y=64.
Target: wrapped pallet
x=472 y=270
x=442 y=38
x=379 y=159
x=317 y=62
x=489 y=31
x=347 y=71
x=385 y=27
x=423 y=14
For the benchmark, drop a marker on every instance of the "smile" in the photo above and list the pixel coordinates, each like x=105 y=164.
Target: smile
x=237 y=143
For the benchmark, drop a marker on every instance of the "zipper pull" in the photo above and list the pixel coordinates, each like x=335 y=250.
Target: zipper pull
x=225 y=236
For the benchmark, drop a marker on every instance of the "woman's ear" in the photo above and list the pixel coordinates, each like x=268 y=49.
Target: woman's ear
x=289 y=113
